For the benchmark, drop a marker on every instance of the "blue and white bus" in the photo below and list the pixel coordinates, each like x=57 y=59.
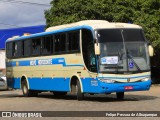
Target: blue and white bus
x=91 y=56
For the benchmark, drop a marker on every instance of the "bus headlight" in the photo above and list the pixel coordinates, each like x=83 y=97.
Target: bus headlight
x=145 y=79
x=107 y=80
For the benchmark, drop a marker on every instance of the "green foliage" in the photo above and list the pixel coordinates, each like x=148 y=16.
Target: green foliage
x=143 y=12
x=147 y=14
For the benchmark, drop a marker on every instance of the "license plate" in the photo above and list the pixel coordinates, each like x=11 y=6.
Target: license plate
x=128 y=87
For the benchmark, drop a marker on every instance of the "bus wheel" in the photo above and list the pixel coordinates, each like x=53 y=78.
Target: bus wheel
x=80 y=95
x=26 y=91
x=120 y=95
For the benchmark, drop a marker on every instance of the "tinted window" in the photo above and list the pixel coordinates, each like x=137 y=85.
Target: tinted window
x=88 y=50
x=60 y=42
x=9 y=50
x=132 y=35
x=111 y=35
x=63 y=42
x=27 y=48
x=57 y=42
x=36 y=46
x=115 y=35
x=18 y=49
x=47 y=45
x=73 y=41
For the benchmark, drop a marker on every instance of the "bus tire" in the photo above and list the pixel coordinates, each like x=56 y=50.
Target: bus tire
x=26 y=91
x=120 y=95
x=80 y=95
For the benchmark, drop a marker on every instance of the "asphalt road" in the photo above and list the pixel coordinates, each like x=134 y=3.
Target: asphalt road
x=133 y=101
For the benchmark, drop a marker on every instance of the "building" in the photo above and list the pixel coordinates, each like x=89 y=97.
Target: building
x=8 y=33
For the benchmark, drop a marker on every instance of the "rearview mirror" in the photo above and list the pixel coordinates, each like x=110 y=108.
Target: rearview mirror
x=97 y=48
x=150 y=50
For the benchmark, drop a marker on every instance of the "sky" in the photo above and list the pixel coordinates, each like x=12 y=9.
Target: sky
x=15 y=14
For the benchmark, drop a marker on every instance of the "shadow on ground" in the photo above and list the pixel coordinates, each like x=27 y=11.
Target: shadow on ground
x=93 y=98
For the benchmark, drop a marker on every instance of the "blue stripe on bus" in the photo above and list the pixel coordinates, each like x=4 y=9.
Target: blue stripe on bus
x=56 y=84
x=42 y=62
x=48 y=84
x=89 y=85
x=53 y=32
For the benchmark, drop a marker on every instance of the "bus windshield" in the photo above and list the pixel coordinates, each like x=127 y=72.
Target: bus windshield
x=122 y=51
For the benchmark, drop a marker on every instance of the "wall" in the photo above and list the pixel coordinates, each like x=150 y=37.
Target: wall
x=2 y=62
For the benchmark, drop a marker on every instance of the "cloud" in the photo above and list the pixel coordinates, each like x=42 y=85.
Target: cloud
x=22 y=15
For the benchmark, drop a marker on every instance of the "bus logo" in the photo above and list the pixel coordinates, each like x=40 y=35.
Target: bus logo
x=131 y=64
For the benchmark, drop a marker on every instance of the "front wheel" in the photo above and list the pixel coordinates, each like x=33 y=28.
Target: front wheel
x=120 y=95
x=26 y=91
x=80 y=95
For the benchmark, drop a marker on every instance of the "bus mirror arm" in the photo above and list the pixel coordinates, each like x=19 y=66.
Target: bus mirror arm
x=95 y=41
x=148 y=42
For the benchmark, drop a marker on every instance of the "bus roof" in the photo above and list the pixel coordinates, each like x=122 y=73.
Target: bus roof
x=95 y=24
x=90 y=24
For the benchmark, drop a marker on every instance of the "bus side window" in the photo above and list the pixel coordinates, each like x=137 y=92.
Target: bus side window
x=9 y=50
x=60 y=42
x=14 y=49
x=92 y=58
x=63 y=42
x=18 y=49
x=57 y=43
x=53 y=44
x=36 y=46
x=73 y=41
x=47 y=45
x=88 y=50
x=27 y=48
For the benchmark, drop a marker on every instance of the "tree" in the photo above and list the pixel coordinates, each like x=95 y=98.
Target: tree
x=147 y=14
x=69 y=11
x=143 y=12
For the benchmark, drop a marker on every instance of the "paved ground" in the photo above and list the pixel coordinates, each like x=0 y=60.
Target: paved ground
x=134 y=101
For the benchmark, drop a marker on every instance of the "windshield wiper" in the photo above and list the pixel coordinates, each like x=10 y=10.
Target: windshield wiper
x=130 y=57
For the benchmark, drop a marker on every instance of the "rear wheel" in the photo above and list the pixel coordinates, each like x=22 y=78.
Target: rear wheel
x=80 y=95
x=120 y=95
x=26 y=91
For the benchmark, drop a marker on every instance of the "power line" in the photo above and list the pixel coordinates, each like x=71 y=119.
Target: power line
x=7 y=24
x=23 y=2
x=19 y=2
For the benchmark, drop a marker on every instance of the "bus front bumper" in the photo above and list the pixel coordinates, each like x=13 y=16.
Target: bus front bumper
x=124 y=87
